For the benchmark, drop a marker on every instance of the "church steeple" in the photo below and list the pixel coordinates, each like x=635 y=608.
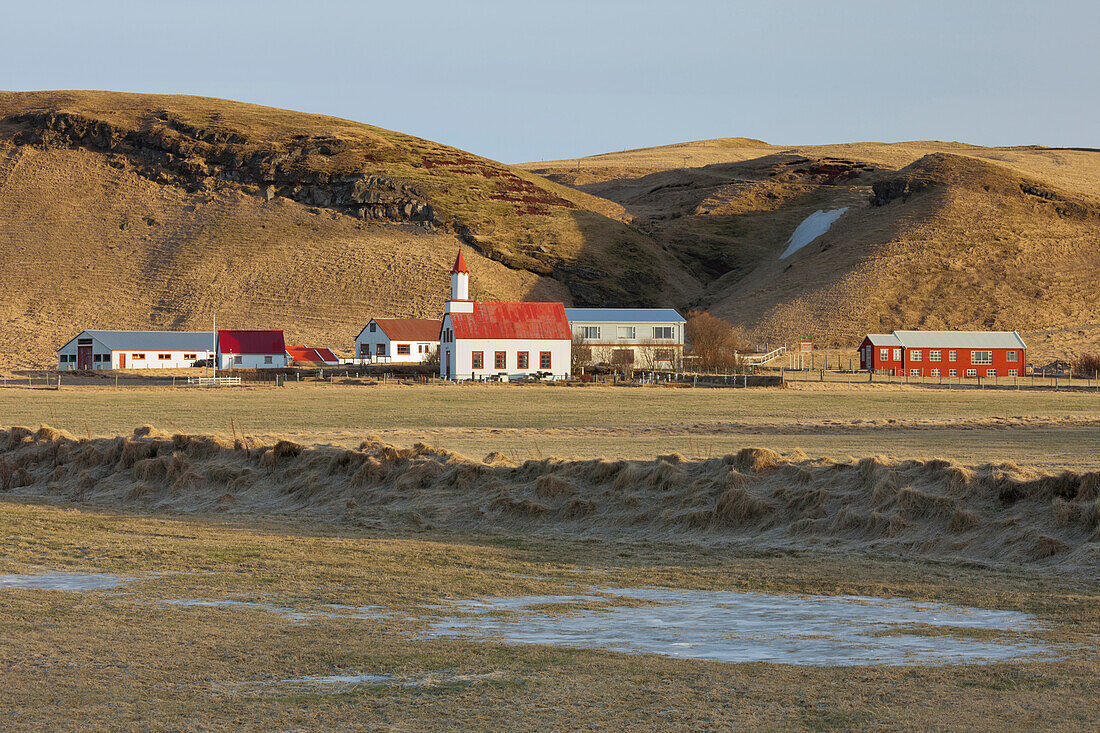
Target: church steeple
x=460 y=264
x=459 y=302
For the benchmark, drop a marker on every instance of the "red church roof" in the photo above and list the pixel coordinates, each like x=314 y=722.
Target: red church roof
x=460 y=264
x=251 y=342
x=410 y=329
x=513 y=321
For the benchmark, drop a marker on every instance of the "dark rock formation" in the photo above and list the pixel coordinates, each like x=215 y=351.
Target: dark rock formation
x=195 y=159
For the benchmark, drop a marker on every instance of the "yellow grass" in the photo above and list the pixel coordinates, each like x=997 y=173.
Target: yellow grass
x=105 y=660
x=1038 y=428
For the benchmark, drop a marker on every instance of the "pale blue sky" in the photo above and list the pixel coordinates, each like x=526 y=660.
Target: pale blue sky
x=518 y=81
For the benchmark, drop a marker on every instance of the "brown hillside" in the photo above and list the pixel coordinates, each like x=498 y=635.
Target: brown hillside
x=937 y=235
x=152 y=211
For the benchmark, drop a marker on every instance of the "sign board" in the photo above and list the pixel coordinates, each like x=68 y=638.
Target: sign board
x=806 y=345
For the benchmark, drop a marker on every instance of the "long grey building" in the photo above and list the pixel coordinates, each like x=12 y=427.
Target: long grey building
x=639 y=337
x=135 y=350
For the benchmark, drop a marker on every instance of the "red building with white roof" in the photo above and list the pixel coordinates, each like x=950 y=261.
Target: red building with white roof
x=509 y=340
x=945 y=353
x=251 y=350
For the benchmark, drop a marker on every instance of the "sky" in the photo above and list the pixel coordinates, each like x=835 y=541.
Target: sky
x=521 y=81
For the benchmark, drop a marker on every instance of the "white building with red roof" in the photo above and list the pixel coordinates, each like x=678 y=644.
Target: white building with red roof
x=398 y=340
x=486 y=340
x=251 y=350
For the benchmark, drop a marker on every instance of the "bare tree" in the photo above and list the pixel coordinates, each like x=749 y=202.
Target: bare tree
x=432 y=359
x=715 y=343
x=580 y=354
x=1087 y=366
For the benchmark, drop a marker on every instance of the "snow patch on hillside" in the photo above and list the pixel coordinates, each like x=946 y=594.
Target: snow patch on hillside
x=812 y=227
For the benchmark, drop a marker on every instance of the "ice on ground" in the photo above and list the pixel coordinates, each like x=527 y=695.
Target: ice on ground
x=66 y=581
x=812 y=227
x=350 y=679
x=340 y=611
x=736 y=627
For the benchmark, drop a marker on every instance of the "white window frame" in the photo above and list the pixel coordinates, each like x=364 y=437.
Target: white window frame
x=1013 y=373
x=897 y=354
x=971 y=372
x=629 y=330
x=884 y=354
x=952 y=372
x=935 y=355
x=951 y=355
x=914 y=372
x=916 y=355
x=590 y=332
x=981 y=360
x=935 y=372
x=660 y=331
x=990 y=372
x=1012 y=355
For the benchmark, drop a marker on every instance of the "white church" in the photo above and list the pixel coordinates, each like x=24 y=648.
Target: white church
x=501 y=340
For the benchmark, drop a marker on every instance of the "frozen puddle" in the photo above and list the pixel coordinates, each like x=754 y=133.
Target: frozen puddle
x=66 y=581
x=337 y=611
x=749 y=627
x=812 y=227
x=349 y=680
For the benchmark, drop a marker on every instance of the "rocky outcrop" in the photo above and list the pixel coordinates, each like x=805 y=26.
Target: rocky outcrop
x=197 y=159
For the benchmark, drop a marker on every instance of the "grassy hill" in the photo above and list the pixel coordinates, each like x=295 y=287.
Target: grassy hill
x=153 y=211
x=935 y=235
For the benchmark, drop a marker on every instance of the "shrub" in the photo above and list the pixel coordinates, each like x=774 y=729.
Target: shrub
x=1086 y=365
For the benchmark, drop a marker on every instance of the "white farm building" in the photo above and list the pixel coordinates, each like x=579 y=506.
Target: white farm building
x=644 y=338
x=503 y=340
x=398 y=340
x=251 y=350
x=135 y=350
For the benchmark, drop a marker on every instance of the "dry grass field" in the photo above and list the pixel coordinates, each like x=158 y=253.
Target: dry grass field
x=1046 y=429
x=110 y=660
x=251 y=567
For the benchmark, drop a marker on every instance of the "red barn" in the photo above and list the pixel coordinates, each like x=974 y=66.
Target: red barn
x=945 y=353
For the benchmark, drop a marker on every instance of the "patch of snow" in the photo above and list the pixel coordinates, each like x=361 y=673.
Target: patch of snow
x=812 y=227
x=734 y=627
x=66 y=581
x=346 y=612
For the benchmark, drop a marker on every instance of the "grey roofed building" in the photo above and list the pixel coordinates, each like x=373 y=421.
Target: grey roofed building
x=151 y=340
x=612 y=315
x=884 y=339
x=960 y=339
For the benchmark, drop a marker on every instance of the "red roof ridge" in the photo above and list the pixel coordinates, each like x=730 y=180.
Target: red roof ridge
x=519 y=320
x=410 y=329
x=460 y=264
